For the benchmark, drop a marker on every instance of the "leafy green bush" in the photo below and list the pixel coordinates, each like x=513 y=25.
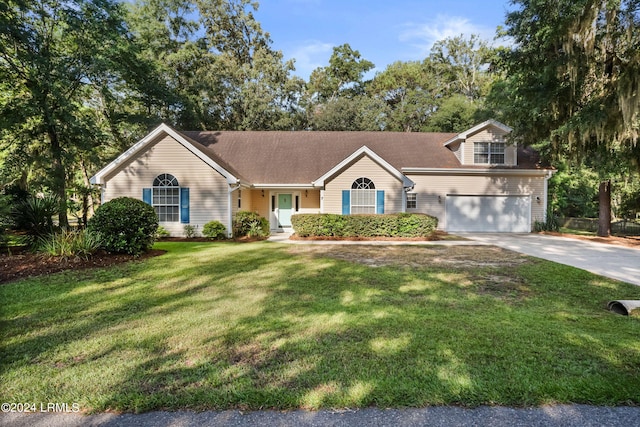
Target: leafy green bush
x=70 y=243
x=35 y=216
x=190 y=231
x=551 y=223
x=162 y=232
x=389 y=225
x=250 y=224
x=126 y=225
x=6 y=219
x=214 y=230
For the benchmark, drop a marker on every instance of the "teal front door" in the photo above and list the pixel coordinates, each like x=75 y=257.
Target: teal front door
x=284 y=210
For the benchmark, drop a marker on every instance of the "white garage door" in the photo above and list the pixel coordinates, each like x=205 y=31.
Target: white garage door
x=488 y=213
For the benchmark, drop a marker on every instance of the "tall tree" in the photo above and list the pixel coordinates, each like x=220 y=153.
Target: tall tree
x=573 y=80
x=344 y=76
x=339 y=88
x=50 y=52
x=411 y=93
x=462 y=65
x=255 y=85
x=445 y=92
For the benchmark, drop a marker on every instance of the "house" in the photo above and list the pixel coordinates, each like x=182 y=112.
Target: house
x=475 y=181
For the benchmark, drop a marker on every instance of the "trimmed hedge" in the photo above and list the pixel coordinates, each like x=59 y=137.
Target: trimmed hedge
x=388 y=225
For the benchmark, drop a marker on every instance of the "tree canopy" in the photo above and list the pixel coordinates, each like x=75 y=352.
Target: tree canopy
x=82 y=80
x=572 y=81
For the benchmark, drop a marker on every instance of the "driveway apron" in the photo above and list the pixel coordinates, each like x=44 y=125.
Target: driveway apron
x=615 y=262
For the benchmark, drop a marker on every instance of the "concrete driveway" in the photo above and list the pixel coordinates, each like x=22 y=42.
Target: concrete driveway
x=616 y=262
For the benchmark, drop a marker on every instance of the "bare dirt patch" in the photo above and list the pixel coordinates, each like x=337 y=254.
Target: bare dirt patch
x=14 y=266
x=485 y=270
x=416 y=256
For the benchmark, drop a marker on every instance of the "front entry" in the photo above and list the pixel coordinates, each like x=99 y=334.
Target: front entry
x=284 y=210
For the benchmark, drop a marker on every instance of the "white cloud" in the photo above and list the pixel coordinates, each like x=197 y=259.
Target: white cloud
x=311 y=55
x=422 y=36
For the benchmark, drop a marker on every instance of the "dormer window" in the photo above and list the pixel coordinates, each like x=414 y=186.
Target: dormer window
x=488 y=153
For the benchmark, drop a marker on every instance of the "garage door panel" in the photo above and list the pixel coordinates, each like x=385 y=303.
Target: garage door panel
x=488 y=213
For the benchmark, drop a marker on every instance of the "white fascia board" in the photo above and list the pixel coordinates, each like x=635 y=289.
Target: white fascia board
x=406 y=182
x=464 y=135
x=283 y=186
x=510 y=172
x=140 y=145
x=456 y=138
x=134 y=149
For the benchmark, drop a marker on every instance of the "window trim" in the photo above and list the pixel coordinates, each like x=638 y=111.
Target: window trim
x=491 y=152
x=157 y=188
x=414 y=201
x=362 y=190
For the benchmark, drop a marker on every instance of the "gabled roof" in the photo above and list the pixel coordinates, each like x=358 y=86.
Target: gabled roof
x=364 y=151
x=482 y=126
x=188 y=143
x=302 y=157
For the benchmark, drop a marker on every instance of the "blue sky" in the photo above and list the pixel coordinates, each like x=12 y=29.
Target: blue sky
x=383 y=31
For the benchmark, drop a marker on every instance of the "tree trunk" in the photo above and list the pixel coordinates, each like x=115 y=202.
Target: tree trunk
x=91 y=201
x=604 y=218
x=59 y=176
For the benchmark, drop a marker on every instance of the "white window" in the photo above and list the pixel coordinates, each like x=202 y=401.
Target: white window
x=489 y=153
x=412 y=201
x=166 y=198
x=363 y=196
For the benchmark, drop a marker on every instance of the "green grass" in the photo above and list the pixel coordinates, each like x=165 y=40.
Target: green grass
x=577 y=232
x=261 y=325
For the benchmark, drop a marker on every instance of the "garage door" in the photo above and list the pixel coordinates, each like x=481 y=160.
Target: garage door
x=488 y=214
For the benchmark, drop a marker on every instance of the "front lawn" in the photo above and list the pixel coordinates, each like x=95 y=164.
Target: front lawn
x=262 y=325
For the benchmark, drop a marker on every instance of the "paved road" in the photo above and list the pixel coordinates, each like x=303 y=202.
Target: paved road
x=547 y=416
x=616 y=262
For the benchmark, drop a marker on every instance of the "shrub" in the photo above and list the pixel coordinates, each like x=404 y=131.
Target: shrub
x=214 y=230
x=70 y=243
x=162 y=232
x=190 y=231
x=126 y=225
x=550 y=224
x=250 y=224
x=35 y=216
x=6 y=220
x=389 y=225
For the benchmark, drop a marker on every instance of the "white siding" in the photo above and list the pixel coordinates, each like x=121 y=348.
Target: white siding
x=208 y=190
x=491 y=134
x=363 y=167
x=432 y=191
x=457 y=148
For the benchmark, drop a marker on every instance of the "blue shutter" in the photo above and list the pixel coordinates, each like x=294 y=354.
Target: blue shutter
x=346 y=202
x=380 y=201
x=184 y=205
x=146 y=195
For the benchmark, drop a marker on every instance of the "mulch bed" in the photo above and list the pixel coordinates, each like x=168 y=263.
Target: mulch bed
x=21 y=264
x=438 y=235
x=630 y=242
x=208 y=240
